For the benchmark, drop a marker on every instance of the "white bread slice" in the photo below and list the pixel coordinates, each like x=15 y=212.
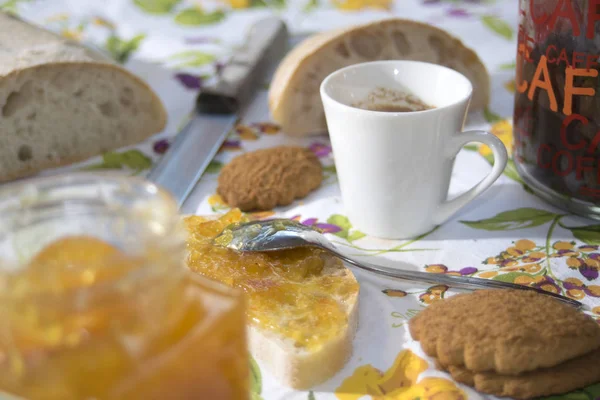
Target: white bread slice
x=296 y=367
x=294 y=99
x=301 y=369
x=61 y=102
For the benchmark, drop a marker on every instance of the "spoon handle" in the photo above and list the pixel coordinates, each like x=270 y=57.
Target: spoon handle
x=459 y=282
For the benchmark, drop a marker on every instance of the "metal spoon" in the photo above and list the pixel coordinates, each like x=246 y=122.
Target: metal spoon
x=281 y=234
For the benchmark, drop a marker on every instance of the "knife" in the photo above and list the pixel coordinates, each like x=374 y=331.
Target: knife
x=219 y=107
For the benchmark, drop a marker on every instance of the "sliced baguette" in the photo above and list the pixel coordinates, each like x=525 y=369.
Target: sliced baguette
x=61 y=102
x=294 y=99
x=296 y=367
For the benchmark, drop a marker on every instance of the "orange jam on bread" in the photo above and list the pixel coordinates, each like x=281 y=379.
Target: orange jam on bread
x=300 y=294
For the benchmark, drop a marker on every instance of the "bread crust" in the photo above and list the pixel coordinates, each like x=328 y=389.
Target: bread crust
x=158 y=109
x=30 y=53
x=293 y=78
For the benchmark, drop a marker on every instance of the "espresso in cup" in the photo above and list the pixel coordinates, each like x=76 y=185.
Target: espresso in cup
x=390 y=100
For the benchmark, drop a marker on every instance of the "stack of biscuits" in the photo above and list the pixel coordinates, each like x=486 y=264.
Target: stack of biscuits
x=512 y=343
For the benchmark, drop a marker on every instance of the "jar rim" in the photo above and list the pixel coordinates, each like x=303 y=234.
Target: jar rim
x=38 y=193
x=36 y=202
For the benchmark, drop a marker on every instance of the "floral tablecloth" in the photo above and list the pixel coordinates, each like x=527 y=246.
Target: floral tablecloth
x=507 y=234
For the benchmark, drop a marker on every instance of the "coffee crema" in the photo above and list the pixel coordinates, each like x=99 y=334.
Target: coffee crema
x=388 y=100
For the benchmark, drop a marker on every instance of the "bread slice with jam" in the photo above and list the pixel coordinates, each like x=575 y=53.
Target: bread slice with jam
x=302 y=303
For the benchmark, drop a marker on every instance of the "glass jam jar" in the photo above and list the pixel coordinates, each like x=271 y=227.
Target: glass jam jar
x=98 y=304
x=557 y=104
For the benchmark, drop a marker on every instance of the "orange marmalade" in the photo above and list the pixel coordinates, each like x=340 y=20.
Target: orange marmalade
x=105 y=314
x=287 y=291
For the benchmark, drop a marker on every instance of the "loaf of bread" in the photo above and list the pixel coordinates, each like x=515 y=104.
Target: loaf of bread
x=294 y=99
x=61 y=102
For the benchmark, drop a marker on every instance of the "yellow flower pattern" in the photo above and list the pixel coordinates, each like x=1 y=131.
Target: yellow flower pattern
x=217 y=204
x=355 y=5
x=400 y=382
x=510 y=85
x=58 y=17
x=239 y=3
x=73 y=34
x=99 y=21
x=504 y=131
x=246 y=133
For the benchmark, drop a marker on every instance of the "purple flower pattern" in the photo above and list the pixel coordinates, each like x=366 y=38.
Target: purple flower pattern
x=443 y=269
x=313 y=222
x=321 y=150
x=161 y=146
x=192 y=82
x=526 y=263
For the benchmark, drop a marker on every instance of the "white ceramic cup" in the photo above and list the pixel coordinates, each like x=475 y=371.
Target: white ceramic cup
x=394 y=168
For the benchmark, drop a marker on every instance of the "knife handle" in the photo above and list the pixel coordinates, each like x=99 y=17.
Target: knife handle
x=265 y=44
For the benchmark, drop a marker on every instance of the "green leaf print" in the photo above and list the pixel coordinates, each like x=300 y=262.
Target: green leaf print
x=520 y=218
x=578 y=395
x=589 y=393
x=339 y=220
x=310 y=5
x=277 y=4
x=157 y=6
x=132 y=159
x=510 y=171
x=214 y=167
x=589 y=234
x=497 y=25
x=342 y=222
x=508 y=66
x=121 y=49
x=346 y=226
x=258 y=3
x=471 y=147
x=510 y=277
x=593 y=391
x=491 y=116
x=192 y=58
x=355 y=235
x=11 y=5
x=329 y=170
x=196 y=17
x=255 y=380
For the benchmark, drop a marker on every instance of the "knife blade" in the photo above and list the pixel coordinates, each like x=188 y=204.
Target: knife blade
x=218 y=108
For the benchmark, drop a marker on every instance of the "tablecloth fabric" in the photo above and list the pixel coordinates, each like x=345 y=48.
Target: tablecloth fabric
x=507 y=234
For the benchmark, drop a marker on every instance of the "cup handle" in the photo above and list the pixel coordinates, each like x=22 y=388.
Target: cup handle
x=449 y=208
